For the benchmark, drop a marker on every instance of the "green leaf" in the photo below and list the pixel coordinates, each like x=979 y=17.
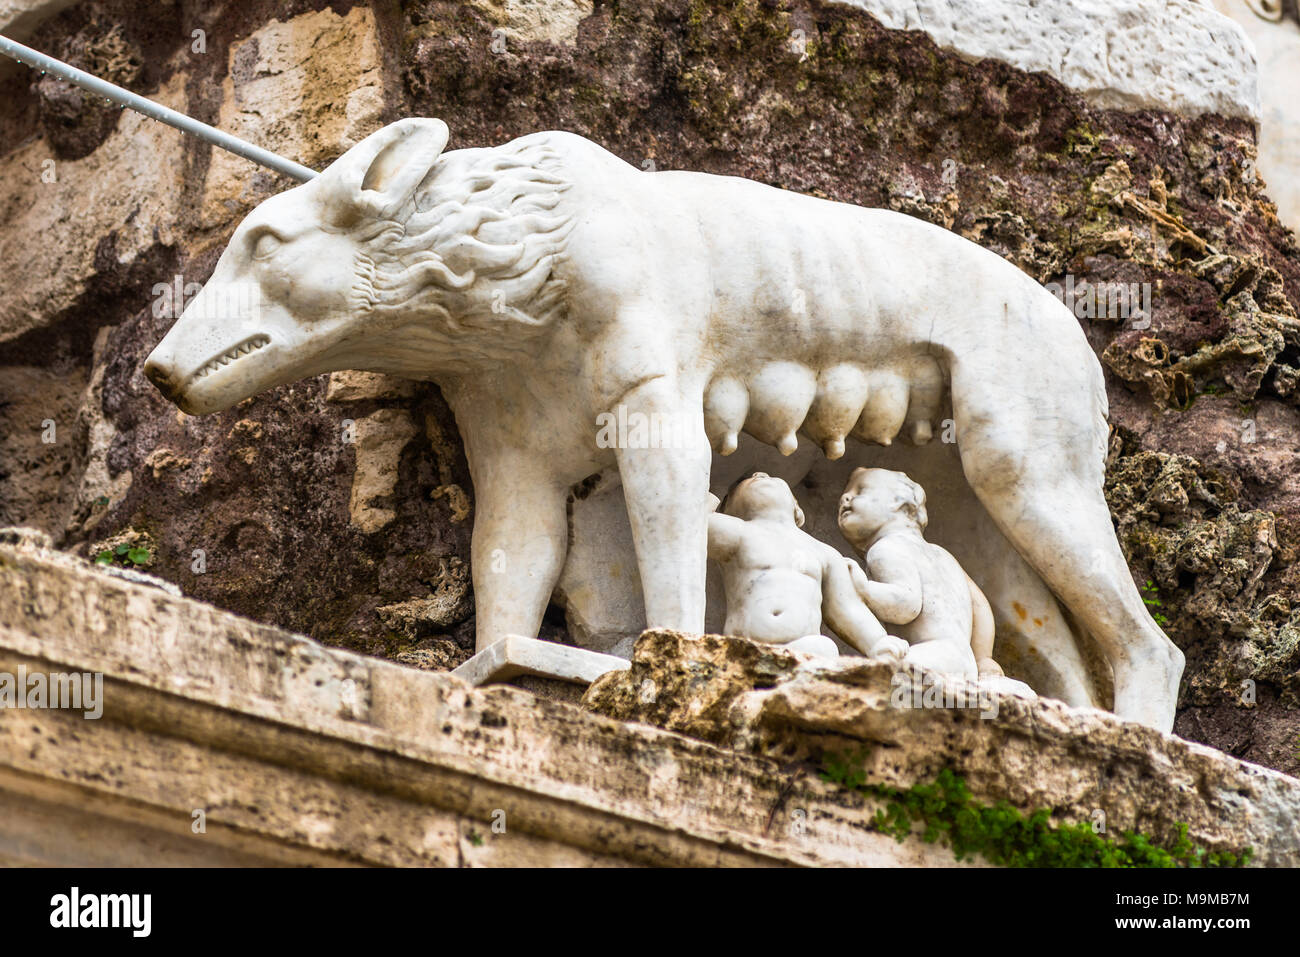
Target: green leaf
x=138 y=555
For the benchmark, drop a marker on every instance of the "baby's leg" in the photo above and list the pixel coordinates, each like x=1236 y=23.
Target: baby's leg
x=818 y=645
x=991 y=674
x=982 y=628
x=946 y=657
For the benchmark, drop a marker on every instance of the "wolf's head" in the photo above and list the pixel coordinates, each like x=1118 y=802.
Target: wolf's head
x=396 y=259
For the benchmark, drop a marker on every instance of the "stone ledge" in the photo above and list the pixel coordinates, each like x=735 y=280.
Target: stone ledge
x=763 y=700
x=300 y=754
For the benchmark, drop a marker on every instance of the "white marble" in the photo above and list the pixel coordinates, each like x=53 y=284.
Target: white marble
x=781 y=583
x=912 y=584
x=917 y=587
x=551 y=288
x=516 y=655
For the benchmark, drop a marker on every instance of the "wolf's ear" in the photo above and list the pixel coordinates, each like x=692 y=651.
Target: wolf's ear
x=376 y=177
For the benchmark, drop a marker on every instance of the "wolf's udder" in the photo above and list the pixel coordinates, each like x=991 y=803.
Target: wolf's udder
x=782 y=398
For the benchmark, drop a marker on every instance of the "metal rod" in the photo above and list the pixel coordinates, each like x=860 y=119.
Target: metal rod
x=186 y=124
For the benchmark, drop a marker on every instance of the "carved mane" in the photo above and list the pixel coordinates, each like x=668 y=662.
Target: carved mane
x=478 y=246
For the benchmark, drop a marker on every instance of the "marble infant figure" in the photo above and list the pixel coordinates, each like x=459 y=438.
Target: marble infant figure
x=781 y=583
x=916 y=586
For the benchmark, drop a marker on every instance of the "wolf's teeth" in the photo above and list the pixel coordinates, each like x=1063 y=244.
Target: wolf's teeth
x=235 y=353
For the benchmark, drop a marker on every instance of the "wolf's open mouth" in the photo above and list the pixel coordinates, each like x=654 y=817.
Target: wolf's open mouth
x=251 y=344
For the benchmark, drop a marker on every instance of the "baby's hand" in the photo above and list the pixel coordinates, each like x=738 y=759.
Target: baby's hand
x=890 y=648
x=858 y=576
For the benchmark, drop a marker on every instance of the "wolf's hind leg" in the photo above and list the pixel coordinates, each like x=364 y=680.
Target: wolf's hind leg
x=1032 y=463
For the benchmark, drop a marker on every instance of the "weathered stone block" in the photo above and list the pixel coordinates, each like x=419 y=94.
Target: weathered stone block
x=1034 y=754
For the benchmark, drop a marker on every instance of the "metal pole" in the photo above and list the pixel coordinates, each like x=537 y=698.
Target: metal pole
x=186 y=124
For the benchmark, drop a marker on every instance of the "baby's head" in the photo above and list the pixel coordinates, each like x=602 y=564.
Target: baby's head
x=875 y=497
x=762 y=495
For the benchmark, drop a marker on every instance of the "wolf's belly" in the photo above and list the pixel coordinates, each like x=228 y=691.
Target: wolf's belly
x=780 y=398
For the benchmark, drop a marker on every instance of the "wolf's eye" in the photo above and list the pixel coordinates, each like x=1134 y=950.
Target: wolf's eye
x=265 y=245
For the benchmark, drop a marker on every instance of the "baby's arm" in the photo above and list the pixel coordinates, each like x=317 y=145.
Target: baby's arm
x=725 y=535
x=847 y=615
x=894 y=590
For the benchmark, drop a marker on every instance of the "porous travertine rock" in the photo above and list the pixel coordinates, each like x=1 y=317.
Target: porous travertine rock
x=1276 y=36
x=555 y=21
x=353 y=386
x=379 y=439
x=1033 y=753
x=449 y=603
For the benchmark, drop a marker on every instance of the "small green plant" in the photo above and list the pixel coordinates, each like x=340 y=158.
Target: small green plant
x=475 y=838
x=1151 y=596
x=848 y=771
x=944 y=809
x=125 y=555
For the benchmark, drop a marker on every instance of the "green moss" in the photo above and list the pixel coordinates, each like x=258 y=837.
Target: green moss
x=1083 y=140
x=1006 y=837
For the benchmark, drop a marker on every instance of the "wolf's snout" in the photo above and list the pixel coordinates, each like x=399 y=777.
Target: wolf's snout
x=162 y=377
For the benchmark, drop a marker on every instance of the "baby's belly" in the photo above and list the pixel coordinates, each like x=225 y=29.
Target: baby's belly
x=775 y=606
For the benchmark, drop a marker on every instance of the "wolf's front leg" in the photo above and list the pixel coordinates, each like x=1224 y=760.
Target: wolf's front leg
x=666 y=486
x=521 y=535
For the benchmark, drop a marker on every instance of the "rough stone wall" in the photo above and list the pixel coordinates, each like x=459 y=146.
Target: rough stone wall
x=341 y=507
x=1273 y=26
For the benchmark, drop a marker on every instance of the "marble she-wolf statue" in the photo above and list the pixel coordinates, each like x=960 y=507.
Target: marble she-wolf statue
x=545 y=282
